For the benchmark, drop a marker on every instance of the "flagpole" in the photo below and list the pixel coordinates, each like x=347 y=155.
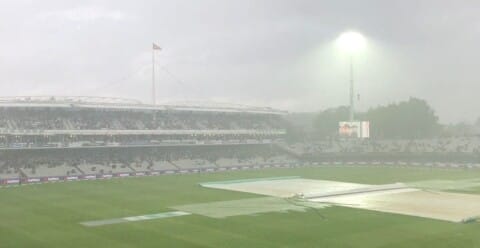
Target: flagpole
x=153 y=76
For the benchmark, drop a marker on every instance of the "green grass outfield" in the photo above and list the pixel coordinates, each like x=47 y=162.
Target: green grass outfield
x=48 y=215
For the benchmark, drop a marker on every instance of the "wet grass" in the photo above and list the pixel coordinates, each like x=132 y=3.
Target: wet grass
x=48 y=215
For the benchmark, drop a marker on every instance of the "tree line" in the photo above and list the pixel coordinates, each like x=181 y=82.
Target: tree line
x=410 y=119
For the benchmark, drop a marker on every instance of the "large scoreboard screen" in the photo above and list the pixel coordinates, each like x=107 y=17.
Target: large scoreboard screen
x=354 y=129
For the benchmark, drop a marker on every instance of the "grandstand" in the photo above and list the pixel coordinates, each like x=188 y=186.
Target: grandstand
x=42 y=122
x=435 y=145
x=68 y=138
x=69 y=164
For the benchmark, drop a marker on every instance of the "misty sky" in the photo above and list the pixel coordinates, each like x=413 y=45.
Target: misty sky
x=269 y=53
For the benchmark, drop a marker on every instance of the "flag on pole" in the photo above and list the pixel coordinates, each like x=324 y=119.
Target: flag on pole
x=156 y=47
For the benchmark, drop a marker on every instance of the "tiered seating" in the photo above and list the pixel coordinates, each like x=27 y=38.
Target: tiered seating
x=159 y=165
x=95 y=168
x=280 y=159
x=6 y=173
x=89 y=162
x=149 y=163
x=140 y=166
x=119 y=167
x=192 y=163
x=65 y=119
x=44 y=170
x=436 y=145
x=231 y=162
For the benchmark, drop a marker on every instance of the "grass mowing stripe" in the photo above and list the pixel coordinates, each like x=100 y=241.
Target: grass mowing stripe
x=30 y=216
x=250 y=180
x=134 y=218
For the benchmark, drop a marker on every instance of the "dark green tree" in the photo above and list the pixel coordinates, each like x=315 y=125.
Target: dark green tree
x=326 y=122
x=407 y=119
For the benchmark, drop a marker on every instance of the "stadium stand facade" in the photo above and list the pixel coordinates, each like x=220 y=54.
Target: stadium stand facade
x=70 y=138
x=443 y=152
x=437 y=145
x=70 y=122
x=48 y=139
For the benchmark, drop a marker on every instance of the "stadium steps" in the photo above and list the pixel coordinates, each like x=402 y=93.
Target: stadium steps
x=68 y=124
x=22 y=174
x=176 y=166
x=78 y=168
x=131 y=167
x=11 y=124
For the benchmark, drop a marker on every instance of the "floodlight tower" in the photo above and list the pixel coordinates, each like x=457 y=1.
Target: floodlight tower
x=352 y=43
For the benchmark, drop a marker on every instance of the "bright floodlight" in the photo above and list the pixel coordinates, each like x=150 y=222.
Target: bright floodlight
x=351 y=42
